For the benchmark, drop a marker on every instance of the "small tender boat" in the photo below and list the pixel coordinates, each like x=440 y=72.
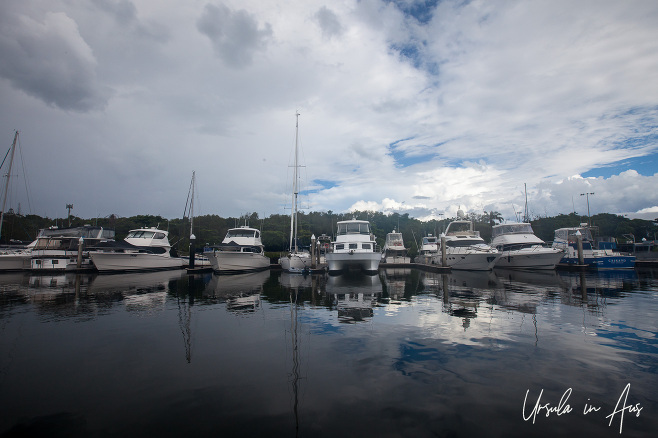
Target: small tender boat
x=143 y=249
x=354 y=248
x=521 y=248
x=465 y=249
x=394 y=250
x=241 y=251
x=566 y=239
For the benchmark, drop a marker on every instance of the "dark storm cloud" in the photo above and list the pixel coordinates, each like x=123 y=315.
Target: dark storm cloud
x=235 y=35
x=48 y=59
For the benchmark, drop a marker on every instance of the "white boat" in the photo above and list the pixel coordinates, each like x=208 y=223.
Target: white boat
x=143 y=249
x=67 y=249
x=465 y=249
x=354 y=248
x=566 y=239
x=428 y=249
x=394 y=250
x=296 y=261
x=521 y=248
x=15 y=259
x=241 y=251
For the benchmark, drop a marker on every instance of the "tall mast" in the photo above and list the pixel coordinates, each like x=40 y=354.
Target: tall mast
x=295 y=191
x=4 y=200
x=192 y=206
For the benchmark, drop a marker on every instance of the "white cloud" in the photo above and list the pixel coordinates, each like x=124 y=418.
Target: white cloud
x=478 y=99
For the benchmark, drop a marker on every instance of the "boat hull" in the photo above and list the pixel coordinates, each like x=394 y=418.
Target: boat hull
x=236 y=262
x=601 y=262
x=530 y=259
x=14 y=262
x=471 y=261
x=366 y=261
x=296 y=263
x=117 y=261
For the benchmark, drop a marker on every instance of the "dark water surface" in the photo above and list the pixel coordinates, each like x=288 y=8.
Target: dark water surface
x=402 y=353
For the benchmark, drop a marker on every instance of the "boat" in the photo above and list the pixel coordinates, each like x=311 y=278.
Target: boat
x=354 y=248
x=566 y=239
x=521 y=248
x=241 y=251
x=143 y=249
x=296 y=261
x=68 y=248
x=394 y=250
x=465 y=249
x=428 y=249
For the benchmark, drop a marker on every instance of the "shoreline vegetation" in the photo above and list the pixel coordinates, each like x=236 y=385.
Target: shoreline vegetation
x=211 y=229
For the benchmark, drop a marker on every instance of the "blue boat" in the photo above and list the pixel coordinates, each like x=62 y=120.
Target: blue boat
x=566 y=239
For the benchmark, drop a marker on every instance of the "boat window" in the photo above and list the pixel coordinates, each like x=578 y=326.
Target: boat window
x=353 y=246
x=366 y=246
x=462 y=243
x=139 y=234
x=159 y=236
x=339 y=246
x=241 y=232
x=354 y=228
x=511 y=229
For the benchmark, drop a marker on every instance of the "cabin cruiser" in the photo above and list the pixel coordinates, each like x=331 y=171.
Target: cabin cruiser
x=15 y=259
x=566 y=239
x=521 y=248
x=394 y=250
x=143 y=249
x=428 y=249
x=465 y=249
x=241 y=251
x=66 y=249
x=354 y=248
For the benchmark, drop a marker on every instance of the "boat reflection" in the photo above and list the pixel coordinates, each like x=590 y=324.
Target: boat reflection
x=354 y=295
x=240 y=292
x=394 y=282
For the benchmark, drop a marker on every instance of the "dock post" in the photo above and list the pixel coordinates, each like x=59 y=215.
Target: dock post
x=444 y=262
x=313 y=250
x=579 y=242
x=192 y=239
x=80 y=244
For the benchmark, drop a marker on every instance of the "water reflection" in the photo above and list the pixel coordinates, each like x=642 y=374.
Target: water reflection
x=354 y=295
x=240 y=292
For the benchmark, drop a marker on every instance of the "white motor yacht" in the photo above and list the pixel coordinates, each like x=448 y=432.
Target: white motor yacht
x=66 y=249
x=465 y=249
x=428 y=249
x=566 y=239
x=521 y=248
x=143 y=249
x=241 y=251
x=354 y=247
x=394 y=250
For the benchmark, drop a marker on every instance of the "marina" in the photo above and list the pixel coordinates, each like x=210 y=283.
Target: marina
x=404 y=352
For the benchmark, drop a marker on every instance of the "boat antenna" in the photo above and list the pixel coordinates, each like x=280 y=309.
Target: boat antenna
x=525 y=213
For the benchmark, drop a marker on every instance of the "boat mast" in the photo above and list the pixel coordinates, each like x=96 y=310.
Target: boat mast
x=295 y=192
x=4 y=200
x=192 y=206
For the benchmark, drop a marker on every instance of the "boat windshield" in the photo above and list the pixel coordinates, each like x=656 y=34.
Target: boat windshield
x=566 y=233
x=241 y=232
x=429 y=241
x=499 y=230
x=459 y=227
x=353 y=228
x=140 y=234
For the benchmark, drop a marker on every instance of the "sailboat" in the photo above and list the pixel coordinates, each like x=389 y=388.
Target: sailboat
x=196 y=261
x=295 y=261
x=12 y=259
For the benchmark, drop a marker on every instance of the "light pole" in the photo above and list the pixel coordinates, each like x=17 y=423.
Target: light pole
x=589 y=221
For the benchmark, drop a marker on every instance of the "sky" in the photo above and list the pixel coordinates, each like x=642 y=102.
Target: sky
x=417 y=107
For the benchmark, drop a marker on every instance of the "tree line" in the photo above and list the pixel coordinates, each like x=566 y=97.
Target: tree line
x=275 y=229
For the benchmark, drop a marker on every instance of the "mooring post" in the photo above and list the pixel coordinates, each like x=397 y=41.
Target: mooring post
x=313 y=250
x=192 y=239
x=80 y=244
x=444 y=262
x=579 y=242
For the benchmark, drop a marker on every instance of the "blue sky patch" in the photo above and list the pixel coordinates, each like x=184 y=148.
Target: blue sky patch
x=647 y=166
x=422 y=11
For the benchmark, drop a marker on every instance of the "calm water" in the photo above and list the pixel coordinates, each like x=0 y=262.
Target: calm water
x=404 y=353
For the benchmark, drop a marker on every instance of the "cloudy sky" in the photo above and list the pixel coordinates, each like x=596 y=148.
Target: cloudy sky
x=418 y=107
